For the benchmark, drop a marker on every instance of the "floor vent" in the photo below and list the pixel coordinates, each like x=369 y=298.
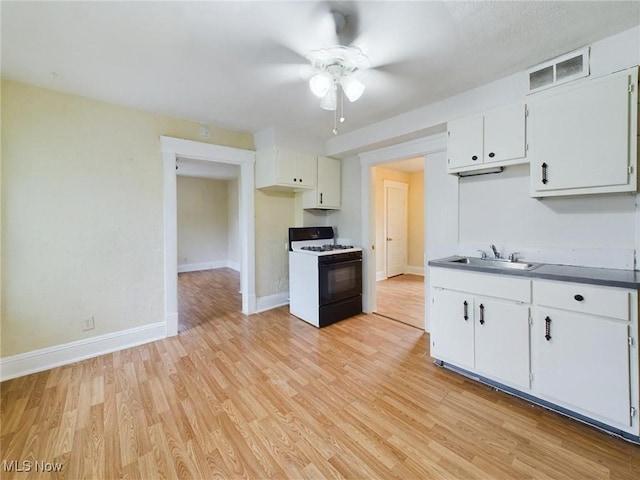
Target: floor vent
x=559 y=70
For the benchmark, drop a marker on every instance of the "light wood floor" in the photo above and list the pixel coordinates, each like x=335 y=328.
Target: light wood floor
x=402 y=298
x=269 y=396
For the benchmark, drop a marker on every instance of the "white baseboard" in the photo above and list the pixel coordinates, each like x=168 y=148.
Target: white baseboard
x=58 y=355
x=271 y=301
x=196 y=267
x=409 y=269
x=415 y=270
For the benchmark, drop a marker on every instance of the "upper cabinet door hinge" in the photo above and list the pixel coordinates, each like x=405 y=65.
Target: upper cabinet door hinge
x=633 y=412
x=631 y=88
x=630 y=169
x=531 y=377
x=526 y=112
x=630 y=340
x=530 y=320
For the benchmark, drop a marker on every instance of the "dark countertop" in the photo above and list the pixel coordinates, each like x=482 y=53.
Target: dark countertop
x=564 y=273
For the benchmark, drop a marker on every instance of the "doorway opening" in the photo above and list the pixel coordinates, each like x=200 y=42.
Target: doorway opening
x=399 y=231
x=208 y=241
x=424 y=148
x=172 y=149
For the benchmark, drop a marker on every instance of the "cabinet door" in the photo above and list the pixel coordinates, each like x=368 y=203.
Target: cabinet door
x=465 y=141
x=452 y=327
x=502 y=341
x=504 y=134
x=306 y=170
x=296 y=169
x=584 y=362
x=287 y=169
x=579 y=138
x=329 y=185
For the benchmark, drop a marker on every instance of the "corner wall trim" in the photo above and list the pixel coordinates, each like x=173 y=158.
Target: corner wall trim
x=59 y=355
x=269 y=302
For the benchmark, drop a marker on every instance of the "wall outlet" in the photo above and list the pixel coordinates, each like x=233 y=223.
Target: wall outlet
x=88 y=324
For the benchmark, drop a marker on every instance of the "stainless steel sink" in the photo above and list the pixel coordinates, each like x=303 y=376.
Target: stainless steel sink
x=496 y=263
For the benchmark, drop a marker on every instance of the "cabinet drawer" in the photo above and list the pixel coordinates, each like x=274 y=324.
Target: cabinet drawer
x=577 y=297
x=498 y=286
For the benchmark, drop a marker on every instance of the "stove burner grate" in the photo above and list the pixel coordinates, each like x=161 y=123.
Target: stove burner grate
x=325 y=248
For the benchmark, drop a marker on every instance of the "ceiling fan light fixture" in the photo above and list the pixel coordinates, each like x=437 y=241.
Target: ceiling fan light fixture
x=330 y=100
x=352 y=87
x=320 y=84
x=335 y=66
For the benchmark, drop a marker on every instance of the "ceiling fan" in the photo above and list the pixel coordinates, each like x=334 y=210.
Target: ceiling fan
x=327 y=49
x=334 y=68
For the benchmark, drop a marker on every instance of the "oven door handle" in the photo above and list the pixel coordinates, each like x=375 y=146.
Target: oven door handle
x=343 y=262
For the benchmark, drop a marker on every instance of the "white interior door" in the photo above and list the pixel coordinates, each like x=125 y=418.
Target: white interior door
x=395 y=220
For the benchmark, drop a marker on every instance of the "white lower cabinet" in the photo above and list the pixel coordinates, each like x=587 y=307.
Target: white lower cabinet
x=582 y=362
x=581 y=349
x=478 y=330
x=452 y=335
x=570 y=346
x=502 y=341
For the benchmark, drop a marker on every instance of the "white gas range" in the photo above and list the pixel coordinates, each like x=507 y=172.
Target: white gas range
x=325 y=279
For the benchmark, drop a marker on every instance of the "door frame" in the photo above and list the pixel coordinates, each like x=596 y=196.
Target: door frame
x=414 y=148
x=172 y=148
x=385 y=252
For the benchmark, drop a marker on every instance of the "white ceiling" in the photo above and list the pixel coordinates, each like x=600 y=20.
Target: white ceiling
x=238 y=64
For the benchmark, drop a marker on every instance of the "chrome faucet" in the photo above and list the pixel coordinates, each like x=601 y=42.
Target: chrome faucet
x=495 y=251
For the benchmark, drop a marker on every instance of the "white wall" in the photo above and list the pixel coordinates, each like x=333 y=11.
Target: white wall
x=415 y=258
x=595 y=230
x=233 y=225
x=348 y=219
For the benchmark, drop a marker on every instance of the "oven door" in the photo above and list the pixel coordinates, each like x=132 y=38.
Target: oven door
x=340 y=280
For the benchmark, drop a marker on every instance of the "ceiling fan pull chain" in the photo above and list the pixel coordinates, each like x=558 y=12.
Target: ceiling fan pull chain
x=341 y=105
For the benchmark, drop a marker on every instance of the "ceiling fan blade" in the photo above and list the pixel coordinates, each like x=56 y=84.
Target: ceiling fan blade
x=285 y=73
x=279 y=52
x=346 y=22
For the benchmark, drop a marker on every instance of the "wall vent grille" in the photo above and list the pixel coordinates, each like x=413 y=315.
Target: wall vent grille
x=563 y=69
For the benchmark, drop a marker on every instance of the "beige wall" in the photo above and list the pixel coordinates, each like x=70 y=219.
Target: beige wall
x=415 y=244
x=275 y=212
x=203 y=220
x=82 y=215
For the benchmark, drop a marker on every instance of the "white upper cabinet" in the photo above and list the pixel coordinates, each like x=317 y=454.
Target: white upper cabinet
x=495 y=138
x=583 y=139
x=327 y=195
x=284 y=169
